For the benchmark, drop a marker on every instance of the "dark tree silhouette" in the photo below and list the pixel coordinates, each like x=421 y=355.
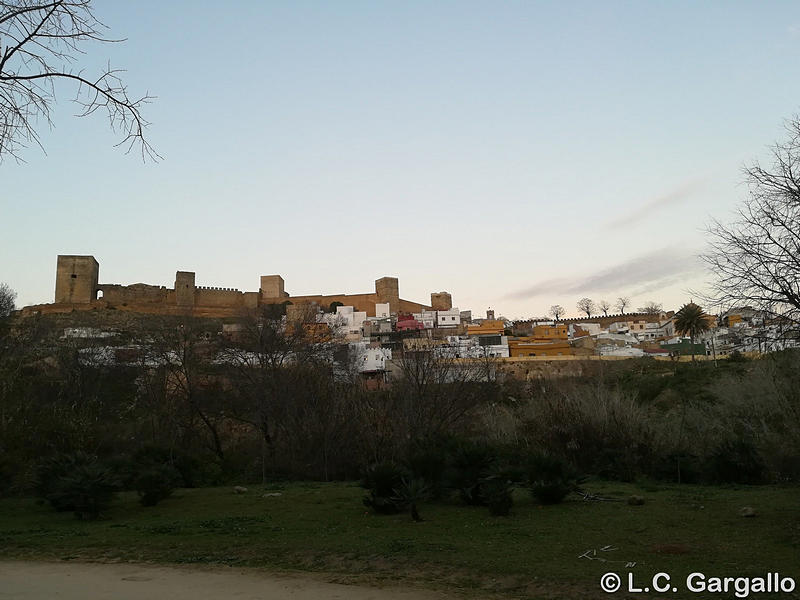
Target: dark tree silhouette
x=586 y=305
x=556 y=311
x=651 y=308
x=7 y=299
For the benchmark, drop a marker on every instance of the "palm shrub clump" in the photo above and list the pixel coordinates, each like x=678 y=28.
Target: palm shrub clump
x=471 y=464
x=88 y=490
x=76 y=482
x=383 y=480
x=410 y=493
x=428 y=463
x=550 y=478
x=51 y=471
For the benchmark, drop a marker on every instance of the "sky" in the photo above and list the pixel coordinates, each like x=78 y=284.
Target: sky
x=515 y=154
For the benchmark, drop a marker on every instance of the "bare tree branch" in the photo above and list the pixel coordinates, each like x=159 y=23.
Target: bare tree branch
x=755 y=260
x=38 y=43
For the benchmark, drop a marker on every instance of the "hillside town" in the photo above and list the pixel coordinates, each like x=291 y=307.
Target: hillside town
x=458 y=334
x=371 y=342
x=369 y=332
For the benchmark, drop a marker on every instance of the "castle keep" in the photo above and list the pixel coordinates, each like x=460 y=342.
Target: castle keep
x=78 y=288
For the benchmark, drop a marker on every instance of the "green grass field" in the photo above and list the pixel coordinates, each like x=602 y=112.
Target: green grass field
x=536 y=552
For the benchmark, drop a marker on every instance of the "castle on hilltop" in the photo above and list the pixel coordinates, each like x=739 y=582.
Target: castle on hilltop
x=78 y=288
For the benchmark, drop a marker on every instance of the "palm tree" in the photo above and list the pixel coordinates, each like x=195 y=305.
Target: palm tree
x=692 y=320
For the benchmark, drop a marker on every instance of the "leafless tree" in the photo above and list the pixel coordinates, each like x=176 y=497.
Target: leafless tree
x=622 y=303
x=755 y=260
x=586 y=305
x=556 y=311
x=272 y=357
x=651 y=308
x=182 y=354
x=435 y=391
x=41 y=43
x=604 y=305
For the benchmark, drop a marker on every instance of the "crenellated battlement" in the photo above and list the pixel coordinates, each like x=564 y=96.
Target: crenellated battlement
x=77 y=287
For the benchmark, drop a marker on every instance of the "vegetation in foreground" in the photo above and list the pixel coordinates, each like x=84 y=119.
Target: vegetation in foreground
x=457 y=453
x=537 y=552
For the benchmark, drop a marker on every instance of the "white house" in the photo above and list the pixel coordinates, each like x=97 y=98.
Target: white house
x=448 y=318
x=427 y=318
x=346 y=323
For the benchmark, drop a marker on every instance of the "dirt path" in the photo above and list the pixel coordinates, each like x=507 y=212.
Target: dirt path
x=82 y=581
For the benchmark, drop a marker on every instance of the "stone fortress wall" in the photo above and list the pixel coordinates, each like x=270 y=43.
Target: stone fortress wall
x=78 y=288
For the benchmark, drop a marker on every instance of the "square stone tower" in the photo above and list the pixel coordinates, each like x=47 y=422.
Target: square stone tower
x=388 y=290
x=76 y=279
x=441 y=301
x=272 y=287
x=184 y=288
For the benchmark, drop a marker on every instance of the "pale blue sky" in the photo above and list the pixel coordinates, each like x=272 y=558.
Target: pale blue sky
x=516 y=154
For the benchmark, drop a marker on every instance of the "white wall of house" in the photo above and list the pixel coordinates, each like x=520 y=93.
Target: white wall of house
x=448 y=318
x=617 y=351
x=346 y=323
x=590 y=328
x=469 y=347
x=368 y=359
x=426 y=317
x=618 y=327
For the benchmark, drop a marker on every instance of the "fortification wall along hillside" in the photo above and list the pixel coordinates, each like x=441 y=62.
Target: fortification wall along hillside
x=218 y=297
x=77 y=288
x=604 y=321
x=359 y=302
x=138 y=293
x=103 y=307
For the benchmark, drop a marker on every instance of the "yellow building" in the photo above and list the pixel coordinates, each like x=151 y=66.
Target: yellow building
x=548 y=333
x=487 y=327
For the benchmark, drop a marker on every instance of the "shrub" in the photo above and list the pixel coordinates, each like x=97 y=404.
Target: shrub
x=192 y=471
x=156 y=483
x=428 y=463
x=88 y=490
x=51 y=471
x=382 y=480
x=409 y=493
x=550 y=478
x=471 y=465
x=677 y=466
x=737 y=357
x=497 y=491
x=596 y=429
x=736 y=461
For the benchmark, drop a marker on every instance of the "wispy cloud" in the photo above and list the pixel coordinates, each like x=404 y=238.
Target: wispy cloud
x=648 y=272
x=646 y=210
